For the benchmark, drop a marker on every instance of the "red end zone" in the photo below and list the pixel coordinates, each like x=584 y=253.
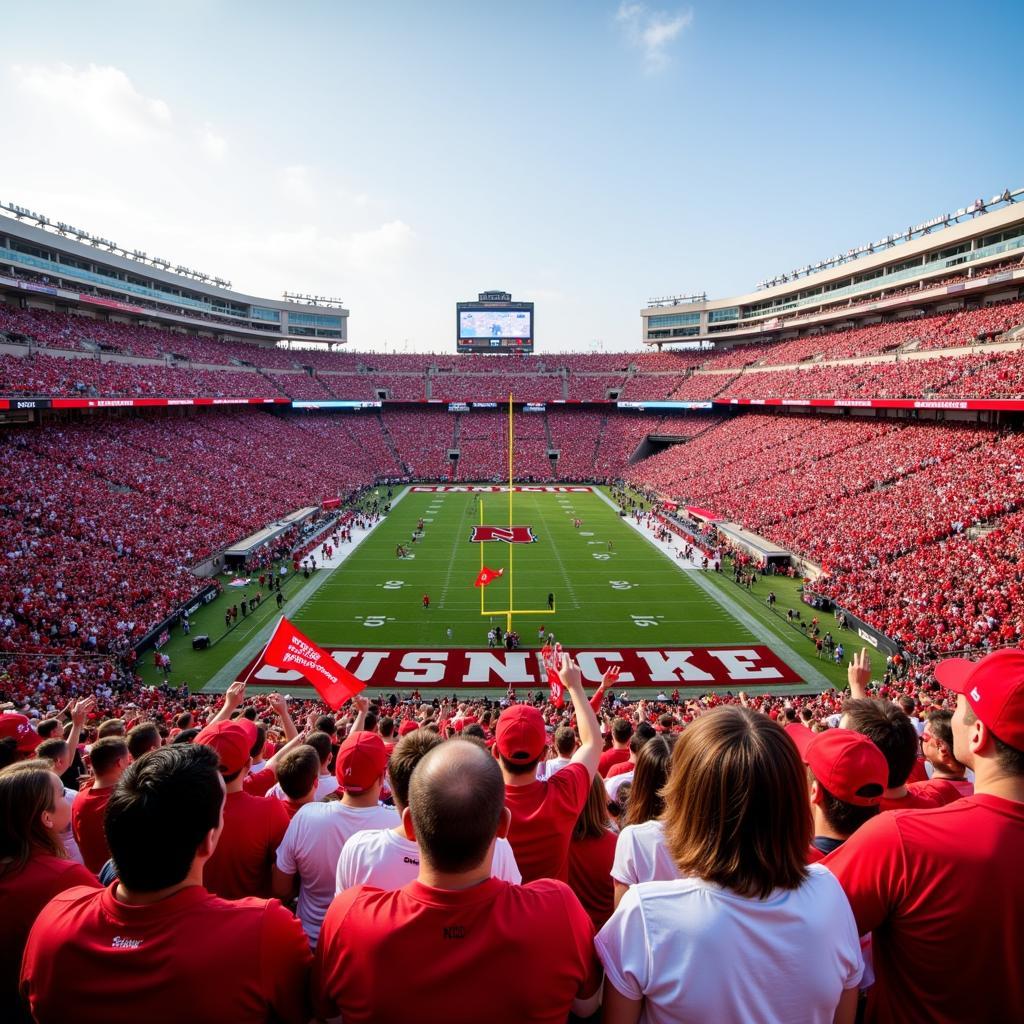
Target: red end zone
x=495 y=489
x=734 y=667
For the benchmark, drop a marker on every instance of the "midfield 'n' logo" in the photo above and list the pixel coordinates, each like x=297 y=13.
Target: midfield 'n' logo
x=508 y=534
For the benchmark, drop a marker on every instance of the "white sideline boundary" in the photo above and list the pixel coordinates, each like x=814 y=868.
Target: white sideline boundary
x=786 y=653
x=222 y=679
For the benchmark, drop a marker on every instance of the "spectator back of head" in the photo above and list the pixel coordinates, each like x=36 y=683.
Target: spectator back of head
x=888 y=727
x=106 y=753
x=407 y=754
x=456 y=801
x=298 y=771
x=143 y=738
x=160 y=813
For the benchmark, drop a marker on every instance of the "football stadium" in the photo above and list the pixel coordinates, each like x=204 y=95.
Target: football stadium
x=343 y=679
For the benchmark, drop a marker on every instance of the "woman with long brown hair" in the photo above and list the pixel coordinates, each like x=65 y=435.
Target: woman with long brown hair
x=641 y=854
x=649 y=777
x=34 y=866
x=747 y=931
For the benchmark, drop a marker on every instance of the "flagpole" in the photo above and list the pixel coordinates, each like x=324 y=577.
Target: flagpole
x=481 y=554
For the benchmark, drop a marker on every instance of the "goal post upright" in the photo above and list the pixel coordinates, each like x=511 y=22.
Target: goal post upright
x=511 y=610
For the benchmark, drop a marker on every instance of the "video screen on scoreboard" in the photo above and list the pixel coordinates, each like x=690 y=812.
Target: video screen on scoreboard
x=478 y=324
x=495 y=325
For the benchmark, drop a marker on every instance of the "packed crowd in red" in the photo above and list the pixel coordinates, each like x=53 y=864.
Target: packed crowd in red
x=302 y=853
x=579 y=377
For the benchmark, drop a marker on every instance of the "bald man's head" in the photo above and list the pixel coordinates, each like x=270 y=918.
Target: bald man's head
x=456 y=798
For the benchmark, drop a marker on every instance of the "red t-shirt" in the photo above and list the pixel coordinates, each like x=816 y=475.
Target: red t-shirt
x=544 y=814
x=87 y=826
x=919 y=773
x=928 y=882
x=941 y=791
x=590 y=875
x=259 y=783
x=911 y=802
x=622 y=768
x=22 y=895
x=189 y=957
x=241 y=865
x=496 y=951
x=610 y=757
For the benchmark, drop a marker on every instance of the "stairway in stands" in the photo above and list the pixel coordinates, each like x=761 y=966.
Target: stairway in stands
x=390 y=442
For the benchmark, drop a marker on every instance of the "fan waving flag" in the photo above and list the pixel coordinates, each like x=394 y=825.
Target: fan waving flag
x=551 y=656
x=289 y=649
x=487 y=576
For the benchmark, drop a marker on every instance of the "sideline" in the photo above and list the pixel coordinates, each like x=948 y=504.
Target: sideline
x=222 y=679
x=767 y=637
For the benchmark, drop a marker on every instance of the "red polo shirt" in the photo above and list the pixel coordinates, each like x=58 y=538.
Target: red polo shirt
x=497 y=952
x=544 y=814
x=22 y=895
x=87 y=826
x=241 y=865
x=927 y=882
x=190 y=957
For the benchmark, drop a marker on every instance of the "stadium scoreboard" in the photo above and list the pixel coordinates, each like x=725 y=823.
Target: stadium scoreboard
x=494 y=324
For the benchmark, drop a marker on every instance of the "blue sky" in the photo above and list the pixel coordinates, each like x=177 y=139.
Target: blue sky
x=584 y=155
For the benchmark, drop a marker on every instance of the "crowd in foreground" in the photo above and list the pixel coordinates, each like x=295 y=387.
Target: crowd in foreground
x=747 y=859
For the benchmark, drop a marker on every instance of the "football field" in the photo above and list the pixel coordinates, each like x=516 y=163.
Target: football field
x=619 y=599
x=627 y=594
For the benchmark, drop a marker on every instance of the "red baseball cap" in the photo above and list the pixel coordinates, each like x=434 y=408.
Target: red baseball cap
x=994 y=688
x=20 y=728
x=361 y=761
x=232 y=742
x=520 y=734
x=407 y=727
x=845 y=762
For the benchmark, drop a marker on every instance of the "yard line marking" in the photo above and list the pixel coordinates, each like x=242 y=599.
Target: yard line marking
x=451 y=560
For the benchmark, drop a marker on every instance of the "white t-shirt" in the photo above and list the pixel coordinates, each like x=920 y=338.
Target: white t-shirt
x=698 y=952
x=325 y=786
x=615 y=783
x=642 y=856
x=68 y=836
x=551 y=767
x=311 y=848
x=385 y=859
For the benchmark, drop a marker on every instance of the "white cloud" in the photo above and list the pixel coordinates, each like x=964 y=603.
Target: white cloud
x=214 y=145
x=297 y=185
x=102 y=97
x=380 y=248
x=163 y=178
x=652 y=32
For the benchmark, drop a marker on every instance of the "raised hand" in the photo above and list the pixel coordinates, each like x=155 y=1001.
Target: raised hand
x=858 y=673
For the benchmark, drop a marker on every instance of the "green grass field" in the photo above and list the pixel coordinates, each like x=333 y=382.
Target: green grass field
x=627 y=596
x=600 y=595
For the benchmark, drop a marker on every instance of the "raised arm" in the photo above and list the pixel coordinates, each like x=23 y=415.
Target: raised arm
x=280 y=706
x=858 y=674
x=591 y=744
x=234 y=696
x=610 y=678
x=79 y=710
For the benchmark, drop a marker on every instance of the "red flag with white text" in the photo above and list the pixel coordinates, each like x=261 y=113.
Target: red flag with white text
x=290 y=649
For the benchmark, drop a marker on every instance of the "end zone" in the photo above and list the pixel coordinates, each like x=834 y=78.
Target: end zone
x=715 y=667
